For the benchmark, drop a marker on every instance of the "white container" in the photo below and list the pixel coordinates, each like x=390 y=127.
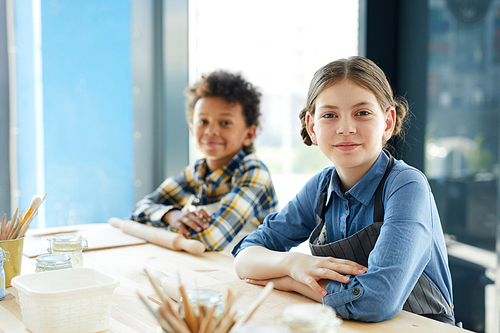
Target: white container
x=67 y=300
x=310 y=318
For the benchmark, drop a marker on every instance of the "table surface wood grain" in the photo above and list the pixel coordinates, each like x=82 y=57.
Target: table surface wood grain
x=210 y=270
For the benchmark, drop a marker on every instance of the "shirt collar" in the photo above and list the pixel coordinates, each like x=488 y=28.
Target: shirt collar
x=201 y=169
x=364 y=190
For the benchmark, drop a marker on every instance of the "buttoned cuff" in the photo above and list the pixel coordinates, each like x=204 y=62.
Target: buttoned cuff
x=340 y=294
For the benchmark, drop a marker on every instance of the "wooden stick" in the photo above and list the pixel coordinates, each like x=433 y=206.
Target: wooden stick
x=189 y=314
x=167 y=302
x=263 y=295
x=21 y=216
x=228 y=301
x=10 y=225
x=6 y=232
x=25 y=227
x=16 y=232
x=226 y=324
x=13 y=229
x=4 y=226
x=155 y=287
x=162 y=322
x=172 y=321
x=14 y=217
x=171 y=308
x=207 y=319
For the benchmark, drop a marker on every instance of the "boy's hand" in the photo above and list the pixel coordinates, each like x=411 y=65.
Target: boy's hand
x=196 y=221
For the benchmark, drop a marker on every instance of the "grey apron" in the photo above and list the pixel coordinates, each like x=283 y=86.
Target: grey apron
x=424 y=299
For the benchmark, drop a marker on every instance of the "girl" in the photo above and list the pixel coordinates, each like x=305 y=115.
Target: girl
x=373 y=228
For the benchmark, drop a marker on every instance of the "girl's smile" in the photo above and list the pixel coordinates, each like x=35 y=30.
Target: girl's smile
x=346 y=146
x=349 y=126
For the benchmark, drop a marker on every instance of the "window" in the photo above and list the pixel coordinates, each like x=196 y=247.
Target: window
x=73 y=124
x=276 y=45
x=461 y=145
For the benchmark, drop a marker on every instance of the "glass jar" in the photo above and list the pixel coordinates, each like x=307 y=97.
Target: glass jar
x=52 y=262
x=207 y=298
x=4 y=257
x=70 y=244
x=310 y=318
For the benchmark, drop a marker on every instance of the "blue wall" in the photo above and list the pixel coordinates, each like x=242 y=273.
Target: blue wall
x=87 y=110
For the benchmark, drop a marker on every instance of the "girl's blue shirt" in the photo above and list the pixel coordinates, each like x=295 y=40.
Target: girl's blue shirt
x=411 y=240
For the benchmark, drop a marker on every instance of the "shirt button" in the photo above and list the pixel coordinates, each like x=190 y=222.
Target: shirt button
x=346 y=207
x=342 y=236
x=347 y=196
x=355 y=291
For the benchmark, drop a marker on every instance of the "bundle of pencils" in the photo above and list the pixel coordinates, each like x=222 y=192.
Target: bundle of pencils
x=199 y=318
x=18 y=225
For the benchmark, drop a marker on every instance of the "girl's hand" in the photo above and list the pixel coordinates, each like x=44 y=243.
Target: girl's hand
x=308 y=270
x=196 y=221
x=286 y=283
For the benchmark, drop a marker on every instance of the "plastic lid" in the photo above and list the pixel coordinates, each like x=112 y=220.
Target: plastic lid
x=67 y=238
x=54 y=261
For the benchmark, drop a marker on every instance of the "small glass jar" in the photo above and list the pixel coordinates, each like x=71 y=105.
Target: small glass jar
x=4 y=257
x=310 y=318
x=207 y=298
x=52 y=262
x=70 y=244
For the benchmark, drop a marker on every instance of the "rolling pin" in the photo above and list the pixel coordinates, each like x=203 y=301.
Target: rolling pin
x=158 y=236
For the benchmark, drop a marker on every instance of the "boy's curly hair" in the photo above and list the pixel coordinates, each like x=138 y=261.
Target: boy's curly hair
x=233 y=88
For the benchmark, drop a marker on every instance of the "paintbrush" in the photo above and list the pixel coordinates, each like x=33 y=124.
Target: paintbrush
x=26 y=226
x=35 y=203
x=24 y=221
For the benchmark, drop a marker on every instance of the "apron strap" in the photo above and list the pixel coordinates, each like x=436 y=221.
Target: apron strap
x=378 y=211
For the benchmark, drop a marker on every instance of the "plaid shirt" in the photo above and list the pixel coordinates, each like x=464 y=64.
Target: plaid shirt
x=243 y=187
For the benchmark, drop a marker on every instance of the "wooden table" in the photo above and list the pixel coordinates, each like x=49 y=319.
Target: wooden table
x=209 y=270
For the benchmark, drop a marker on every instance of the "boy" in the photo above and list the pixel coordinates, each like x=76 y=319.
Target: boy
x=230 y=186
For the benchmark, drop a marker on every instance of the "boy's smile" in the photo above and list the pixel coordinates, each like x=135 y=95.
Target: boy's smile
x=220 y=130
